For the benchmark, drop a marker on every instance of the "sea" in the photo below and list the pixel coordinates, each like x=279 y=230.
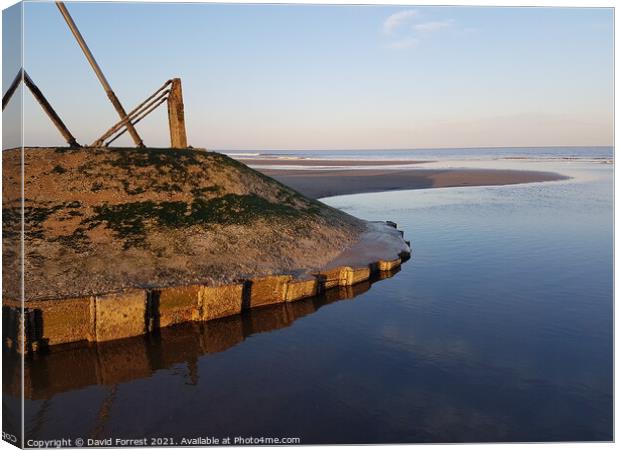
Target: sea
x=498 y=329
x=605 y=154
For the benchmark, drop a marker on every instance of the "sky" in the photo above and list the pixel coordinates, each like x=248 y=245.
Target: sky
x=285 y=77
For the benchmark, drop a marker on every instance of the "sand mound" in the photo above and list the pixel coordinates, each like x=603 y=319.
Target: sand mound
x=98 y=220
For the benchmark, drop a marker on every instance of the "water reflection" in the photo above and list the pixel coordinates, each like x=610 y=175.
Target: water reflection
x=75 y=366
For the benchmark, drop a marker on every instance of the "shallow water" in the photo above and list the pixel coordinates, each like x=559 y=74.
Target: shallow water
x=498 y=329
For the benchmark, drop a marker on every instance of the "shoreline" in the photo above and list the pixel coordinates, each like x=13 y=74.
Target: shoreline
x=329 y=183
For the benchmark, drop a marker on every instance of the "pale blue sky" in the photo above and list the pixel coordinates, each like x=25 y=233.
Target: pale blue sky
x=330 y=77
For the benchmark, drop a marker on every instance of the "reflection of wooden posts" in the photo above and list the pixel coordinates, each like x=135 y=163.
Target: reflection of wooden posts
x=38 y=95
x=176 y=115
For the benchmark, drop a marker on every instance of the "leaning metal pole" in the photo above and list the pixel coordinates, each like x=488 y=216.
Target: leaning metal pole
x=106 y=86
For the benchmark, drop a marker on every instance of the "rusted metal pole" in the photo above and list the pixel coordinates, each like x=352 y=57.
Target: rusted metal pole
x=176 y=115
x=12 y=88
x=50 y=111
x=91 y=59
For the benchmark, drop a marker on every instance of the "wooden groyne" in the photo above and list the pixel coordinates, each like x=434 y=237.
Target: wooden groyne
x=133 y=312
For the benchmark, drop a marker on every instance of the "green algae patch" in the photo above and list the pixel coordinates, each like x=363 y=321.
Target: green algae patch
x=130 y=220
x=34 y=217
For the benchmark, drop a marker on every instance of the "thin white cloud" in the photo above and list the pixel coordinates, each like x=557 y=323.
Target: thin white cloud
x=407 y=31
x=397 y=19
x=431 y=27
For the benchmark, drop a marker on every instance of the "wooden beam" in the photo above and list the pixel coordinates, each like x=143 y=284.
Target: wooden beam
x=12 y=88
x=176 y=115
x=153 y=98
x=137 y=119
x=102 y=79
x=38 y=95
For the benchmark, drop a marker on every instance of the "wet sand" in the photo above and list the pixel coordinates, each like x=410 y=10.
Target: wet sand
x=326 y=183
x=258 y=162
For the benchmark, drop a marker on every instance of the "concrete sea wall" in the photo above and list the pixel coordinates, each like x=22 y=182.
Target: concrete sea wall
x=134 y=312
x=74 y=366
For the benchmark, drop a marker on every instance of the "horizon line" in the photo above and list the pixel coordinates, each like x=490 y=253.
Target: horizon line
x=410 y=148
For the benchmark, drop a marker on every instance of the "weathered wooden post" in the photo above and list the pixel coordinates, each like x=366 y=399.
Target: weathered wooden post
x=176 y=115
x=12 y=88
x=50 y=111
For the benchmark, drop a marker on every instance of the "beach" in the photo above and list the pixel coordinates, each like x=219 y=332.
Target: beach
x=326 y=183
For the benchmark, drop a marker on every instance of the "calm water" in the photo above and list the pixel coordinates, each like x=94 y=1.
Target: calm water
x=498 y=329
